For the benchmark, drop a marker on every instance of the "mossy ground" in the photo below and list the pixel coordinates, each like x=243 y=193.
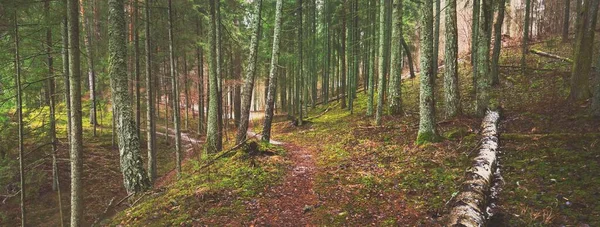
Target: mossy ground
x=551 y=155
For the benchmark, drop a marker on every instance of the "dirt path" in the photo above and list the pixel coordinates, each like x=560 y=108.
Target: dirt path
x=289 y=203
x=189 y=146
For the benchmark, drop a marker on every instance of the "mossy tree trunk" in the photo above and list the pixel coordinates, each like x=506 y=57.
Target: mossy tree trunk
x=483 y=79
x=524 y=42
x=580 y=73
x=427 y=128
x=248 y=85
x=381 y=64
x=451 y=92
x=395 y=93
x=175 y=93
x=497 y=42
x=272 y=74
x=150 y=121
x=135 y=178
x=213 y=137
x=566 y=19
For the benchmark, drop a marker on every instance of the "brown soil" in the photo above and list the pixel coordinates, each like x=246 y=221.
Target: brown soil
x=290 y=203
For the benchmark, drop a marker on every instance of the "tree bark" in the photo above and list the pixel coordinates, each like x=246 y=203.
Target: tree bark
x=76 y=133
x=567 y=17
x=20 y=120
x=272 y=74
x=582 y=62
x=175 y=94
x=451 y=91
x=248 y=85
x=381 y=67
x=497 y=42
x=409 y=58
x=395 y=93
x=135 y=178
x=213 y=137
x=87 y=31
x=483 y=80
x=150 y=121
x=471 y=202
x=427 y=127
x=525 y=41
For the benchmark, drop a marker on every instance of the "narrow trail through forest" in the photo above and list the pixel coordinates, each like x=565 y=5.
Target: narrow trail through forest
x=290 y=202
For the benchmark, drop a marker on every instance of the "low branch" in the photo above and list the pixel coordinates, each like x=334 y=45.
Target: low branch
x=549 y=55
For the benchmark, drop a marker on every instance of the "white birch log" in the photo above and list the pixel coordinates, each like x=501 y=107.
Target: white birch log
x=473 y=198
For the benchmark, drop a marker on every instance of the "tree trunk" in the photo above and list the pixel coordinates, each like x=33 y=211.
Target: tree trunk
x=427 y=126
x=76 y=133
x=150 y=121
x=272 y=74
x=471 y=202
x=250 y=74
x=580 y=73
x=474 y=32
x=135 y=178
x=451 y=90
x=200 y=59
x=372 y=52
x=212 y=134
x=525 y=41
x=483 y=56
x=395 y=96
x=567 y=17
x=497 y=42
x=65 y=65
x=87 y=31
x=436 y=36
x=136 y=69
x=409 y=58
x=299 y=75
x=175 y=94
x=20 y=120
x=342 y=54
x=381 y=68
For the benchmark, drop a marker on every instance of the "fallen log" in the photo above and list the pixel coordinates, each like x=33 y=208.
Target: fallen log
x=549 y=55
x=471 y=203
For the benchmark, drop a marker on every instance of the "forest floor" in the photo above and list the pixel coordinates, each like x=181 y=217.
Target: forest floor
x=338 y=169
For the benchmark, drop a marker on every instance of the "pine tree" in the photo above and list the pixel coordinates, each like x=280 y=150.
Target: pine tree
x=382 y=60
x=150 y=122
x=497 y=42
x=213 y=137
x=135 y=178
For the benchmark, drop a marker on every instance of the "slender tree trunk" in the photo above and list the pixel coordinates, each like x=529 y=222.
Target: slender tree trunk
x=483 y=78
x=87 y=31
x=497 y=42
x=65 y=64
x=436 y=36
x=409 y=58
x=427 y=123
x=372 y=53
x=381 y=67
x=474 y=32
x=250 y=74
x=52 y=128
x=272 y=74
x=300 y=66
x=150 y=121
x=20 y=119
x=525 y=41
x=567 y=17
x=76 y=133
x=175 y=94
x=451 y=92
x=136 y=65
x=186 y=92
x=213 y=137
x=200 y=67
x=395 y=96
